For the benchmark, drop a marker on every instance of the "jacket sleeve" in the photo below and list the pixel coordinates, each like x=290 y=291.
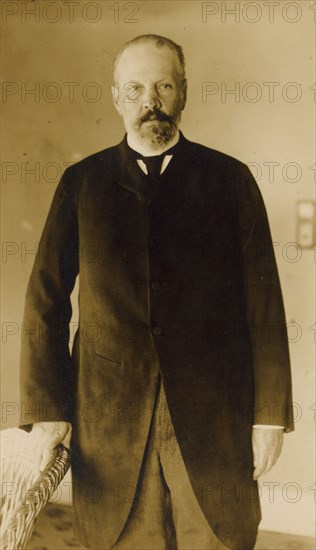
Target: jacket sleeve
x=46 y=378
x=265 y=310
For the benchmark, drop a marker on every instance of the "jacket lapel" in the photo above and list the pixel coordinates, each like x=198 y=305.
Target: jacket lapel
x=130 y=174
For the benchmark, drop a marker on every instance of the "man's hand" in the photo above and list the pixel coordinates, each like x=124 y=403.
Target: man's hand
x=267 y=445
x=47 y=436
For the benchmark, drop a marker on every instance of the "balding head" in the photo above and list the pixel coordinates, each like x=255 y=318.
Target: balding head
x=159 y=42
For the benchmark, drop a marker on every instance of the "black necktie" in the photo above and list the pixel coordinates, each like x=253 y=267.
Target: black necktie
x=153 y=165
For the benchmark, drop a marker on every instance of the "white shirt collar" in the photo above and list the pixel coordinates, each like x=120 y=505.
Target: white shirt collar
x=164 y=164
x=135 y=146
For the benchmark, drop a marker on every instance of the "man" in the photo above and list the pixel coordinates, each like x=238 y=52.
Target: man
x=178 y=389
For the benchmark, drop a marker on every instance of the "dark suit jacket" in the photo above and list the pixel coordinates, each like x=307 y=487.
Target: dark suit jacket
x=177 y=281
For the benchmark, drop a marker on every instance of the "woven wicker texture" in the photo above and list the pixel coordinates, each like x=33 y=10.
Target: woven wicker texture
x=24 y=492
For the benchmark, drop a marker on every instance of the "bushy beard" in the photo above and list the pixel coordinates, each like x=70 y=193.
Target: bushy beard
x=162 y=129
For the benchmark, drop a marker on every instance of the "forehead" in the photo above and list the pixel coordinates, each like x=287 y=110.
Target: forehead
x=146 y=60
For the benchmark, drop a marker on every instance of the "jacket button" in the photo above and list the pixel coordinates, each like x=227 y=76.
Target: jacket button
x=156 y=285
x=157 y=331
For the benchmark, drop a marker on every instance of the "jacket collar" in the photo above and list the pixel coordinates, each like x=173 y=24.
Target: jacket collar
x=130 y=174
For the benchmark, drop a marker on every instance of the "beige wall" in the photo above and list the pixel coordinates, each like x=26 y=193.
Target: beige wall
x=225 y=51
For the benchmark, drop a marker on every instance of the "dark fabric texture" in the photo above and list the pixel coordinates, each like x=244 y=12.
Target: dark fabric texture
x=177 y=280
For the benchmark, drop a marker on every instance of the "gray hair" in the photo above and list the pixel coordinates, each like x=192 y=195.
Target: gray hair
x=159 y=41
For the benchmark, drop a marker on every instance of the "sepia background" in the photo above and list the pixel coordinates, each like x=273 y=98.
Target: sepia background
x=251 y=94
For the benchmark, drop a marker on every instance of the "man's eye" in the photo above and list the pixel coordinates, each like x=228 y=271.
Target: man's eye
x=131 y=87
x=133 y=92
x=166 y=86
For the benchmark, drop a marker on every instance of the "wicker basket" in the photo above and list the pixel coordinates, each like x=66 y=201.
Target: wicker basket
x=23 y=492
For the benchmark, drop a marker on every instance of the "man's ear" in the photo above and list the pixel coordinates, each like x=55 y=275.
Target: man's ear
x=184 y=91
x=115 y=97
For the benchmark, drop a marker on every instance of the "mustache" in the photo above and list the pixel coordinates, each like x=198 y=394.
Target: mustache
x=156 y=114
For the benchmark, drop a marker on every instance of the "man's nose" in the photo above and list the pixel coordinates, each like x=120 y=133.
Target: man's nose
x=151 y=100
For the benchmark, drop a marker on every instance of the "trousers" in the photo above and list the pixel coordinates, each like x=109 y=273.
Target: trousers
x=165 y=514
